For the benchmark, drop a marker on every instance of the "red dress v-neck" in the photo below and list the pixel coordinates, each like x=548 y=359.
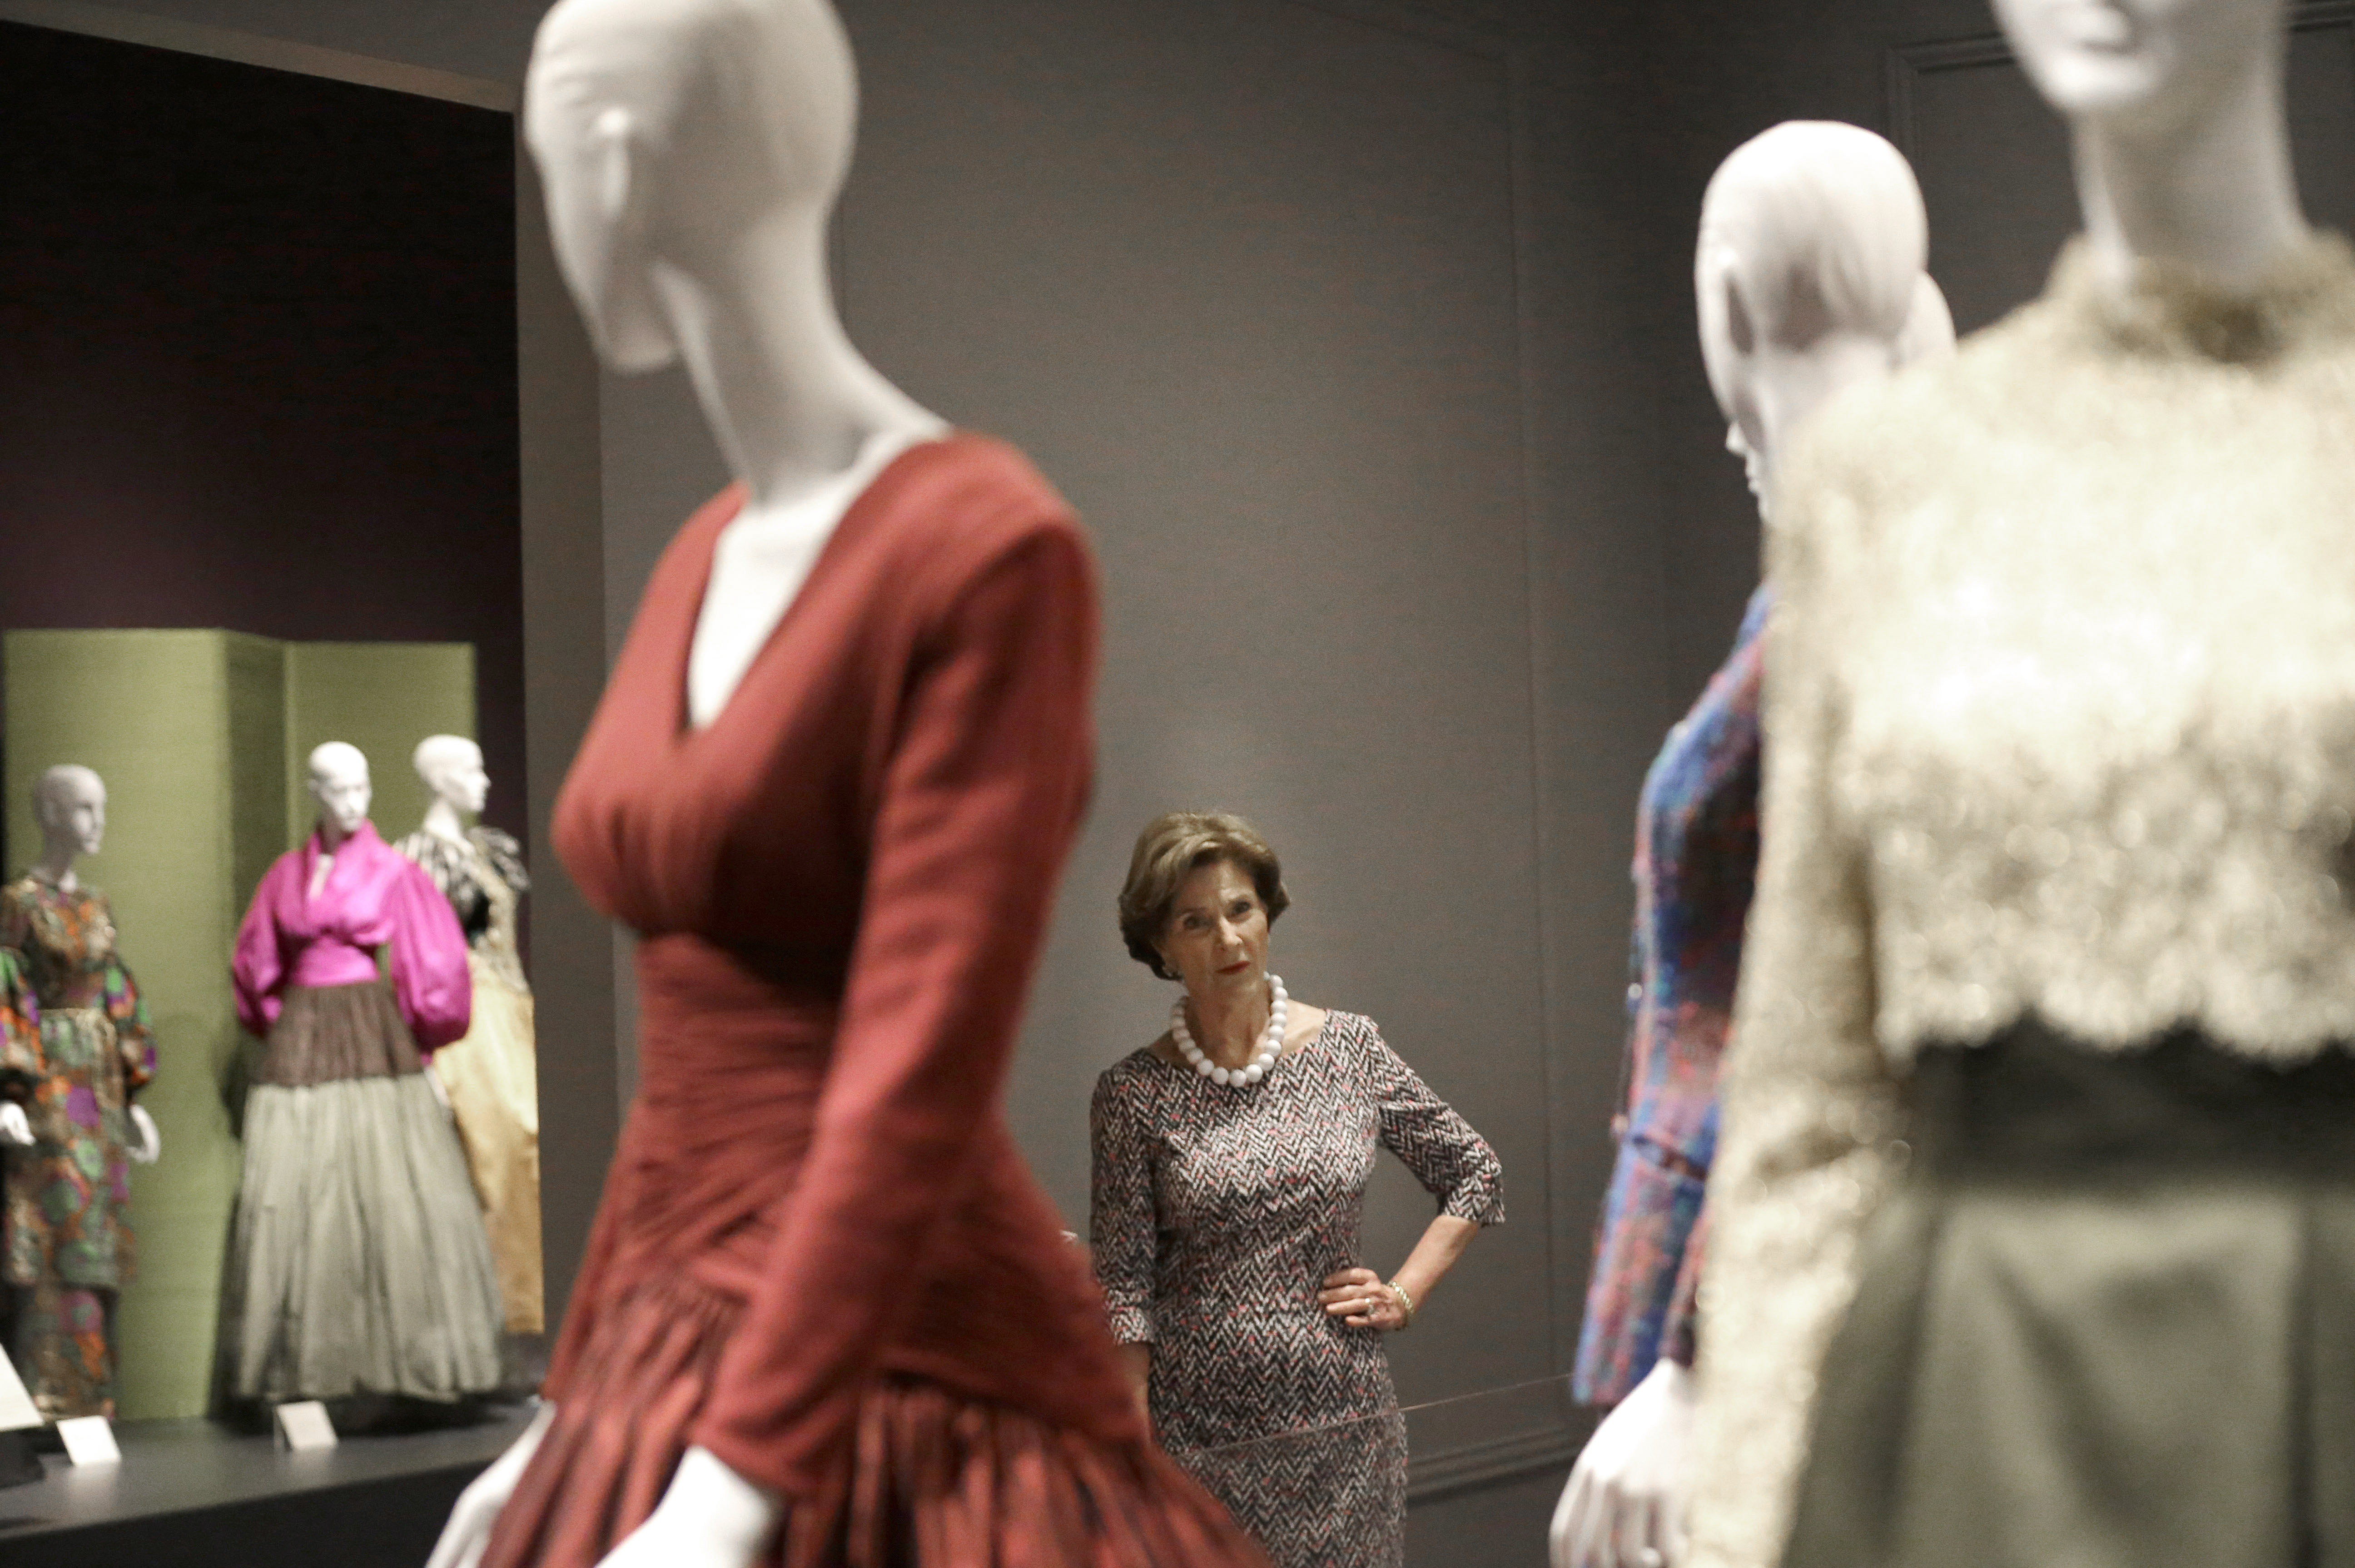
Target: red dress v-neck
x=819 y=1253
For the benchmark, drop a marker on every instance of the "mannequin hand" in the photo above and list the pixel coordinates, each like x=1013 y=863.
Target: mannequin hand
x=477 y=1508
x=150 y=1146
x=15 y=1127
x=441 y=1095
x=709 y=1518
x=1624 y=1506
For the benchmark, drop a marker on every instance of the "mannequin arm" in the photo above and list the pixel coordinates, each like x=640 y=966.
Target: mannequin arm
x=477 y=1508
x=1624 y=1505
x=710 y=1517
x=15 y=1126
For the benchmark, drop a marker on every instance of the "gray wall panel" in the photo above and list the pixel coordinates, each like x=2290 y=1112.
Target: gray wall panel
x=1240 y=277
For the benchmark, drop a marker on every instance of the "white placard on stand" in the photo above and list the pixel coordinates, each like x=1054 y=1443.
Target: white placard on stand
x=16 y=1405
x=90 y=1440
x=305 y=1425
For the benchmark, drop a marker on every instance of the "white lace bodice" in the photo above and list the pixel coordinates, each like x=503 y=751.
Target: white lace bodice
x=2060 y=719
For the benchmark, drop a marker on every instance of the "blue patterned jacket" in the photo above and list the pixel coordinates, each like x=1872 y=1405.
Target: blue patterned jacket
x=1696 y=866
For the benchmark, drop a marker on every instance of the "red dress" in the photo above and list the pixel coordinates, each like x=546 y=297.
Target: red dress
x=819 y=1253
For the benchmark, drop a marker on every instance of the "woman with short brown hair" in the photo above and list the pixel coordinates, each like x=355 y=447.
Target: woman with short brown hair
x=1231 y=1162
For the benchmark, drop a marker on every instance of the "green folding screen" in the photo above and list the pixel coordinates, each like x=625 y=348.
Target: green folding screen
x=201 y=737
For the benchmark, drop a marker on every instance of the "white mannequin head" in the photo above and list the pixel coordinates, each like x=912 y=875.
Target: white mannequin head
x=70 y=802
x=1807 y=275
x=452 y=769
x=340 y=783
x=667 y=132
x=2147 y=65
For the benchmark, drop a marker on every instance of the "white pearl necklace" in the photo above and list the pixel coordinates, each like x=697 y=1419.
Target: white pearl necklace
x=1269 y=1045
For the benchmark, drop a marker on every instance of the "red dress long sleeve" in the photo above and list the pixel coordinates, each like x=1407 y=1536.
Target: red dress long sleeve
x=819 y=1253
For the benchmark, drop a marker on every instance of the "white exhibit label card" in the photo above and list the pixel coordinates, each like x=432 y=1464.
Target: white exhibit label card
x=90 y=1440
x=305 y=1425
x=17 y=1409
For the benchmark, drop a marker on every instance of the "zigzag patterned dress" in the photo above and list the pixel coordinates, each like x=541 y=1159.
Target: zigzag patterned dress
x=1216 y=1213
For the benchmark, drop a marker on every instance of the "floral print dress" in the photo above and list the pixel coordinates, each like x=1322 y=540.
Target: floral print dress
x=89 y=1050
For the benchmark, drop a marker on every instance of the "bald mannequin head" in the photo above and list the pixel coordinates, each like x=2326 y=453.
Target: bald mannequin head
x=340 y=783
x=1810 y=227
x=1808 y=276
x=666 y=130
x=451 y=767
x=70 y=802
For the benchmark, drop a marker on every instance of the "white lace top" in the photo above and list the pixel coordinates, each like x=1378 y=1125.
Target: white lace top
x=2059 y=719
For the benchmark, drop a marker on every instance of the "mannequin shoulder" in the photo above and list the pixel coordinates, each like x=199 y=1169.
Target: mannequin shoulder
x=968 y=504
x=504 y=853
x=440 y=859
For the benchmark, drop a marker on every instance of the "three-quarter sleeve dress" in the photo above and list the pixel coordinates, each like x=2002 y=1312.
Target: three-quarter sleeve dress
x=1218 y=1211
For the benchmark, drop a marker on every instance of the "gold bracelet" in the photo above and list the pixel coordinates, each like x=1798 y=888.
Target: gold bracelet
x=1406 y=1302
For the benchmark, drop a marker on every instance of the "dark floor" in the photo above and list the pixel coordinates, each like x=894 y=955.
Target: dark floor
x=193 y=1494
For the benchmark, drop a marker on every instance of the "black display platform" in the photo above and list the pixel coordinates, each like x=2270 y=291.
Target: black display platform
x=193 y=1494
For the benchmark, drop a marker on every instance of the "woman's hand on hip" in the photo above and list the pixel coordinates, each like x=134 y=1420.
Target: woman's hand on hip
x=1359 y=1297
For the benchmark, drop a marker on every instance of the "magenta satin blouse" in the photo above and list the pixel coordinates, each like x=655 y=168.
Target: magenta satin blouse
x=374 y=898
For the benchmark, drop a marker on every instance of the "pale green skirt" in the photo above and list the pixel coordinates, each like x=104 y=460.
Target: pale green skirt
x=2107 y=1321
x=357 y=1262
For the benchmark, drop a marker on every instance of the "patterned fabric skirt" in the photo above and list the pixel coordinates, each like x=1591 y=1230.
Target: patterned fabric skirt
x=68 y=1241
x=936 y=1479
x=2107 y=1317
x=357 y=1262
x=1326 y=1496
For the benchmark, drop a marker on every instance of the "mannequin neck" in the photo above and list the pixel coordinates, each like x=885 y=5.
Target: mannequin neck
x=2214 y=191
x=331 y=837
x=1795 y=382
x=57 y=866
x=790 y=399
x=443 y=821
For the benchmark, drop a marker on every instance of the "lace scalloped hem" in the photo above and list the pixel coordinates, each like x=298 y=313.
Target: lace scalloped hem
x=936 y=1479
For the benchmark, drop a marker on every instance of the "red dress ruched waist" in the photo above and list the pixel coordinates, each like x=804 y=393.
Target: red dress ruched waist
x=819 y=1254
x=730 y=1070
